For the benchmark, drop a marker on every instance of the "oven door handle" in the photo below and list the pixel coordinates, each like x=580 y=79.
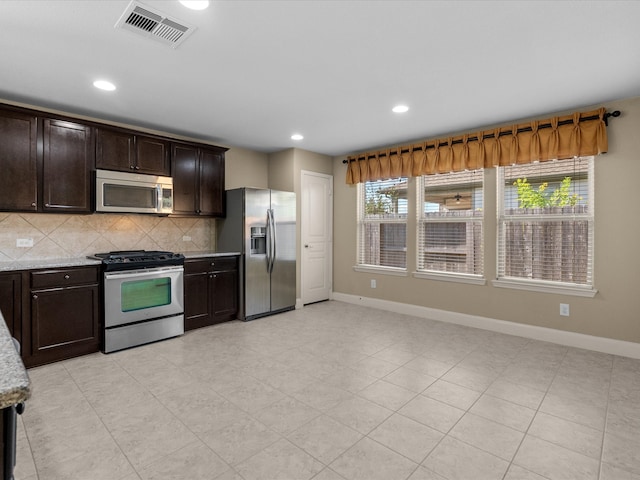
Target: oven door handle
x=142 y=273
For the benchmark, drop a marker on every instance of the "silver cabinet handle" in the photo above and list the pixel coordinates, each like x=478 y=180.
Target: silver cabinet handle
x=35 y=297
x=66 y=277
x=33 y=204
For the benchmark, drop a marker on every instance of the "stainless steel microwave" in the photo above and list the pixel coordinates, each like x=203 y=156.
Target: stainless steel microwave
x=133 y=193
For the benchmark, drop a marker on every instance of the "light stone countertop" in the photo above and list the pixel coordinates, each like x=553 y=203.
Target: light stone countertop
x=209 y=254
x=84 y=261
x=15 y=386
x=49 y=263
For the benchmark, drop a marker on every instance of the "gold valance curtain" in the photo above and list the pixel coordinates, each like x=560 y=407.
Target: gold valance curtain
x=580 y=134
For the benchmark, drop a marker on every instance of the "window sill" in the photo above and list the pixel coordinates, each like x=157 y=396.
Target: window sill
x=543 y=287
x=452 y=277
x=398 y=272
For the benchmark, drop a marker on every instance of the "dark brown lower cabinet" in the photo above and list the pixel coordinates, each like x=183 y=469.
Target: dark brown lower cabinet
x=2 y=447
x=11 y=302
x=210 y=291
x=64 y=317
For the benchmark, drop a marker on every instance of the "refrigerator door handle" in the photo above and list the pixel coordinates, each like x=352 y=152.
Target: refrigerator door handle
x=268 y=240
x=274 y=243
x=272 y=240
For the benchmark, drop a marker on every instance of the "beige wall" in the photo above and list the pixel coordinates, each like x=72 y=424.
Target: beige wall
x=246 y=168
x=285 y=169
x=281 y=170
x=311 y=162
x=615 y=310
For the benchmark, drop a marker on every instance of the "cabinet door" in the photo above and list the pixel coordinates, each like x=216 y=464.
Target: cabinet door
x=225 y=295
x=211 y=183
x=197 y=304
x=184 y=168
x=152 y=156
x=115 y=150
x=68 y=159
x=2 y=445
x=18 y=161
x=11 y=302
x=64 y=324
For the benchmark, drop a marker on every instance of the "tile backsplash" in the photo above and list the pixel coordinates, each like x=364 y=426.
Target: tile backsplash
x=68 y=236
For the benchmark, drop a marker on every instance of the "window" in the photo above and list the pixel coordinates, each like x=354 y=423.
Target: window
x=546 y=222
x=450 y=217
x=382 y=223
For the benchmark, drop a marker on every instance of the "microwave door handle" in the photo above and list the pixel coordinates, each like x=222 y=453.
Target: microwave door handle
x=158 y=198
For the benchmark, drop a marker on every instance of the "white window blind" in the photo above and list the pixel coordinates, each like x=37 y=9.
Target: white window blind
x=546 y=222
x=382 y=223
x=450 y=216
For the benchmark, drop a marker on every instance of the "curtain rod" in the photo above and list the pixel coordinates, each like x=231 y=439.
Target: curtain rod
x=615 y=113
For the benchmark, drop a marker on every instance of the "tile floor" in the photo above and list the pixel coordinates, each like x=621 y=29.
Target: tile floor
x=331 y=392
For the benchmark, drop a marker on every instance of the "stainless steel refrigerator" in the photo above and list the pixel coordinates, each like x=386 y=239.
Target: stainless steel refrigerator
x=261 y=225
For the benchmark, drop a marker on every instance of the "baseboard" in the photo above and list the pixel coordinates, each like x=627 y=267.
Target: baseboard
x=299 y=304
x=571 y=339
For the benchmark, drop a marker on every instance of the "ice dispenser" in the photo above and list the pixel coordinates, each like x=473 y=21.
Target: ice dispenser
x=258 y=240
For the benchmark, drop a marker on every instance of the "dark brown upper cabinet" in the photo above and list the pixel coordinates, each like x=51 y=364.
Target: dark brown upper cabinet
x=198 y=180
x=125 y=151
x=67 y=162
x=46 y=163
x=18 y=161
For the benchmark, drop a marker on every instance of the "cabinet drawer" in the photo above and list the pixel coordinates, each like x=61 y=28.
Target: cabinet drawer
x=197 y=266
x=63 y=278
x=219 y=264
x=210 y=264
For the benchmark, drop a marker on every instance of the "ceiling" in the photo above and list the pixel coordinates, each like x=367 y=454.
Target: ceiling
x=256 y=72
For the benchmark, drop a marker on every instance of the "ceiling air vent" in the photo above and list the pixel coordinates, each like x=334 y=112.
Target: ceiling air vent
x=154 y=24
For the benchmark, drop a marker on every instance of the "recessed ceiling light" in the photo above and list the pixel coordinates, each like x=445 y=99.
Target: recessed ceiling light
x=104 y=85
x=195 y=4
x=296 y=136
x=400 y=109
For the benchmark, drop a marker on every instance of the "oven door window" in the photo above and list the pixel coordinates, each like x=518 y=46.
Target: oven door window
x=148 y=293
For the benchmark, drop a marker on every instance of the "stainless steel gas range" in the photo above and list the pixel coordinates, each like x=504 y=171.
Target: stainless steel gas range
x=143 y=297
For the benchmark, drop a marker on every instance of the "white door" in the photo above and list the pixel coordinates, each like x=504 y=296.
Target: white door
x=316 y=219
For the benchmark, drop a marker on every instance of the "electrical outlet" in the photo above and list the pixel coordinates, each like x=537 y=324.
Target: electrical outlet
x=373 y=283
x=24 y=242
x=564 y=309
x=186 y=238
